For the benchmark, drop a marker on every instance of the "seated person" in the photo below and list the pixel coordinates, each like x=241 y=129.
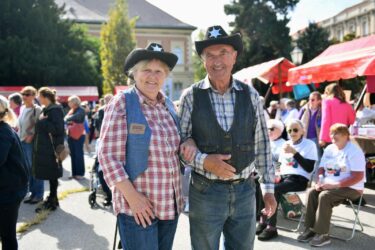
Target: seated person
x=275 y=129
x=297 y=158
x=343 y=168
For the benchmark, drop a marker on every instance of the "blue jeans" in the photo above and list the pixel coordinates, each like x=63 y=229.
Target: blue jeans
x=159 y=235
x=221 y=207
x=36 y=186
x=76 y=155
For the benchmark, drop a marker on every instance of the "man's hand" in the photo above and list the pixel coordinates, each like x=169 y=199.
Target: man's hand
x=141 y=208
x=269 y=204
x=29 y=138
x=188 y=149
x=328 y=186
x=214 y=163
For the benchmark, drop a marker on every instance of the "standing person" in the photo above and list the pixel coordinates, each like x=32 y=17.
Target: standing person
x=343 y=166
x=27 y=119
x=76 y=136
x=225 y=119
x=334 y=110
x=14 y=175
x=311 y=117
x=15 y=103
x=49 y=133
x=138 y=153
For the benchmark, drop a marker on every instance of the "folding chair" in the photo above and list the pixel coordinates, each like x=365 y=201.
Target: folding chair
x=300 y=219
x=355 y=222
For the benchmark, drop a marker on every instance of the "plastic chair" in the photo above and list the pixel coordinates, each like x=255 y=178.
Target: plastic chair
x=355 y=222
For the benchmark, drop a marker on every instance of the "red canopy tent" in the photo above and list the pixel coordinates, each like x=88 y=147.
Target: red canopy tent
x=269 y=73
x=120 y=88
x=85 y=93
x=341 y=61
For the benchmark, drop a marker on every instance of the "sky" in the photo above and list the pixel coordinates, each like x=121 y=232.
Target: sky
x=205 y=13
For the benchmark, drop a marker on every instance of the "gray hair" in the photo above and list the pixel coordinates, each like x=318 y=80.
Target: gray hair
x=142 y=64
x=293 y=122
x=75 y=100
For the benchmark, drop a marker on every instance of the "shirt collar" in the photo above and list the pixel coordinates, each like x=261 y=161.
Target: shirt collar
x=207 y=84
x=160 y=98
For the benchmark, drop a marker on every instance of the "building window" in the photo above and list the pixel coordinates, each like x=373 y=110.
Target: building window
x=177 y=90
x=340 y=35
x=178 y=49
x=364 y=28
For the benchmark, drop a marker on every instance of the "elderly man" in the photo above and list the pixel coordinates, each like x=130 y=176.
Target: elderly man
x=225 y=119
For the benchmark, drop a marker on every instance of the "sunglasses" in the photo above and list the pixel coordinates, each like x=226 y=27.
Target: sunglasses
x=271 y=129
x=295 y=130
x=26 y=94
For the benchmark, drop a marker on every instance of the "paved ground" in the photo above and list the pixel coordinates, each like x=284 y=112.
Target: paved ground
x=76 y=226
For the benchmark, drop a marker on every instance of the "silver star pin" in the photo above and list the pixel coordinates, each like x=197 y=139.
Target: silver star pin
x=157 y=48
x=215 y=33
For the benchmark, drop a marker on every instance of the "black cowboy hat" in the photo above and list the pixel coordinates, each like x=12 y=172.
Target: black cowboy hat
x=217 y=35
x=152 y=51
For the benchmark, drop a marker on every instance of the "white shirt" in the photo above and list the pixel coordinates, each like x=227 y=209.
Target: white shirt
x=289 y=165
x=338 y=163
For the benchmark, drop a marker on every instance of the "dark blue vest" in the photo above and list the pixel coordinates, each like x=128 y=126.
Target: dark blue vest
x=212 y=139
x=138 y=142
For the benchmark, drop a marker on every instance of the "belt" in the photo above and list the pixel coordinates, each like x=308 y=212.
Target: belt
x=227 y=182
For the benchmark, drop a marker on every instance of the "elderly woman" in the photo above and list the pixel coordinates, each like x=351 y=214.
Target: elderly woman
x=76 y=136
x=49 y=133
x=13 y=176
x=343 y=167
x=334 y=110
x=139 y=153
x=297 y=159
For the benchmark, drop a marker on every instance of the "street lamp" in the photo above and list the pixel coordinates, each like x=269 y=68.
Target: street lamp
x=297 y=55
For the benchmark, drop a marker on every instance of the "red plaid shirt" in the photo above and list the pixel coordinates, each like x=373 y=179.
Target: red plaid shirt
x=161 y=181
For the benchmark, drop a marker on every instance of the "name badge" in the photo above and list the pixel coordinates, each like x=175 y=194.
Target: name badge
x=137 y=129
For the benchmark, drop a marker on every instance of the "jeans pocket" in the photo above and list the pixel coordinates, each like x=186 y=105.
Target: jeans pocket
x=199 y=184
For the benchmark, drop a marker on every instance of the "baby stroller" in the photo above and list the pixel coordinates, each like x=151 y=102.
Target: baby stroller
x=97 y=181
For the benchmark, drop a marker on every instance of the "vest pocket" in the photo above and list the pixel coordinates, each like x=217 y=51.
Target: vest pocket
x=246 y=147
x=209 y=149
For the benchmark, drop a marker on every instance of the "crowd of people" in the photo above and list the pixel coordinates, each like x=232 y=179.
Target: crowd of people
x=234 y=148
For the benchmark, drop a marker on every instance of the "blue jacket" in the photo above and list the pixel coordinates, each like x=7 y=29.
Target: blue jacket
x=137 y=145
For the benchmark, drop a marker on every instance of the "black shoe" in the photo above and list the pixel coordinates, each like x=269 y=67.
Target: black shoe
x=306 y=236
x=267 y=234
x=51 y=203
x=260 y=228
x=107 y=203
x=35 y=200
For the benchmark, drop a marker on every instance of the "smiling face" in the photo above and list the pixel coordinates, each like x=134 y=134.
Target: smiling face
x=218 y=61
x=339 y=139
x=149 y=78
x=295 y=131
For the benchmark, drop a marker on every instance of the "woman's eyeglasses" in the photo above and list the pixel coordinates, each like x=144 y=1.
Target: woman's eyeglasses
x=271 y=129
x=295 y=130
x=26 y=94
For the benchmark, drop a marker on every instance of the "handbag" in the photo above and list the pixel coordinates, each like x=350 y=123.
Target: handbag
x=76 y=130
x=61 y=151
x=291 y=205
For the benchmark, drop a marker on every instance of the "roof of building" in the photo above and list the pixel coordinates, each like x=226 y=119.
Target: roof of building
x=96 y=11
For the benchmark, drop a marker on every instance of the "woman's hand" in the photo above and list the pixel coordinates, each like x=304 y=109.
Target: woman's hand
x=141 y=207
x=188 y=149
x=289 y=149
x=322 y=144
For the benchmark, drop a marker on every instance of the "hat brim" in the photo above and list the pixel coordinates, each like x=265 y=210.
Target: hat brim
x=138 y=55
x=234 y=40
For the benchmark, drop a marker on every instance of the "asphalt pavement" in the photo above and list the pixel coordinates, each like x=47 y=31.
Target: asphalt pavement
x=75 y=225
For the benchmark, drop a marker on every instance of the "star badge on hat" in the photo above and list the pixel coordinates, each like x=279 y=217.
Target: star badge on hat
x=156 y=47
x=214 y=33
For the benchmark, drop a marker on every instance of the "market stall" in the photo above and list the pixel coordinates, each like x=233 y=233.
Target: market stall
x=273 y=72
x=344 y=61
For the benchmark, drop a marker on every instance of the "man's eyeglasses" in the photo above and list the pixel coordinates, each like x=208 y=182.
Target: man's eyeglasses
x=26 y=94
x=271 y=129
x=295 y=130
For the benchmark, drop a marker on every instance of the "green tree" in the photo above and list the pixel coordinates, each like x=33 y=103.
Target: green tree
x=263 y=28
x=199 y=70
x=313 y=41
x=37 y=47
x=117 y=40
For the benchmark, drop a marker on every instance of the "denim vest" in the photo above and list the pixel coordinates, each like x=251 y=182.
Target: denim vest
x=210 y=136
x=138 y=142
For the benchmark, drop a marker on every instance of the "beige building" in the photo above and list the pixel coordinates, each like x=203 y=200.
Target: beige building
x=358 y=19
x=153 y=25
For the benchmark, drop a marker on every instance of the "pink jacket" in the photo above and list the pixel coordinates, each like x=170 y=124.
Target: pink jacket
x=334 y=111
